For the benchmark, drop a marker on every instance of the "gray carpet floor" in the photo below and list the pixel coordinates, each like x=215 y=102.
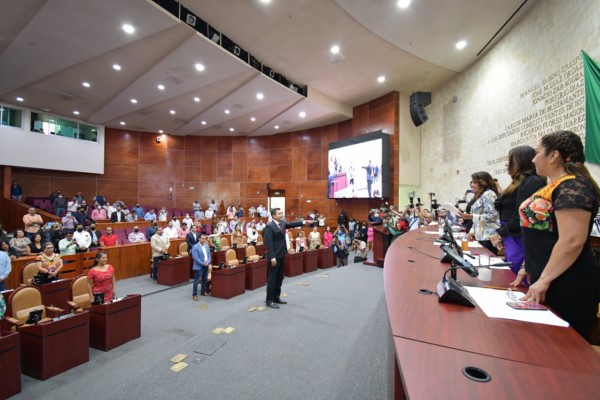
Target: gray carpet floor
x=329 y=342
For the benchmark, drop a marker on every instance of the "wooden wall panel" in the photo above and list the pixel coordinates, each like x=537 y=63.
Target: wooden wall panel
x=232 y=169
x=121 y=154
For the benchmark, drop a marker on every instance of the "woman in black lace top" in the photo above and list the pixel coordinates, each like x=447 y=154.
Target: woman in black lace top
x=556 y=222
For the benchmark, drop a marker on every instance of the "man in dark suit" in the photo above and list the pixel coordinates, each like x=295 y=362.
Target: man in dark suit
x=118 y=216
x=274 y=238
x=192 y=238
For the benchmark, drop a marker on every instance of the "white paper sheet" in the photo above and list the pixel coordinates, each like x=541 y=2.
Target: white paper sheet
x=493 y=304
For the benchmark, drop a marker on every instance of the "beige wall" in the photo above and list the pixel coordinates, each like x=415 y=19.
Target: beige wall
x=529 y=84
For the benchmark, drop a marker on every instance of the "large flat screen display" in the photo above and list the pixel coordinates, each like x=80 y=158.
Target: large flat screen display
x=359 y=167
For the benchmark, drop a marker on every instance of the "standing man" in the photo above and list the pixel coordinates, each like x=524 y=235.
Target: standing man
x=118 y=216
x=201 y=256
x=369 y=169
x=82 y=238
x=192 y=238
x=16 y=192
x=160 y=246
x=274 y=237
x=33 y=222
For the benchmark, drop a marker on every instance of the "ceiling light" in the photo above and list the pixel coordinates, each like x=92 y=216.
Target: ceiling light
x=265 y=1
x=461 y=44
x=199 y=67
x=302 y=114
x=128 y=28
x=160 y=131
x=197 y=99
x=116 y=67
x=227 y=111
x=231 y=129
x=76 y=112
x=161 y=86
x=403 y=3
x=276 y=126
x=172 y=112
x=252 y=119
x=381 y=79
x=335 y=49
x=52 y=121
x=260 y=96
x=203 y=122
x=134 y=101
x=86 y=84
x=20 y=99
x=122 y=122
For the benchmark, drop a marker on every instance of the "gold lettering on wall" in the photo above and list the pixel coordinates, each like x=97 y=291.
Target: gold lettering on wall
x=557 y=101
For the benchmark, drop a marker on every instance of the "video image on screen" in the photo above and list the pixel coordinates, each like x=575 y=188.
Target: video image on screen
x=355 y=171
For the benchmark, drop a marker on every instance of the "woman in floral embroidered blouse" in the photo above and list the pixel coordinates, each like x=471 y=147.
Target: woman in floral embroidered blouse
x=484 y=214
x=556 y=222
x=49 y=263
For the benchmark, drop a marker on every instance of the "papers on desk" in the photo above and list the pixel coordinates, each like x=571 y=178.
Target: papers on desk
x=493 y=304
x=493 y=260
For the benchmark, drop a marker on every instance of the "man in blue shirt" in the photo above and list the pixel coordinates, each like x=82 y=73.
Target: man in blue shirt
x=201 y=256
x=100 y=199
x=139 y=211
x=150 y=215
x=16 y=192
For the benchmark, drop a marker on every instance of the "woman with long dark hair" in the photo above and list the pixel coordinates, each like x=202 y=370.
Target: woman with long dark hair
x=101 y=278
x=483 y=212
x=556 y=222
x=525 y=182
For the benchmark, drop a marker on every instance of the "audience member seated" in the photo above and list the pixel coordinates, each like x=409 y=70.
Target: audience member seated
x=69 y=221
x=5 y=269
x=195 y=205
x=83 y=239
x=150 y=215
x=199 y=214
x=163 y=215
x=108 y=239
x=99 y=213
x=67 y=245
x=33 y=222
x=209 y=213
x=139 y=211
x=260 y=226
x=49 y=263
x=136 y=236
x=188 y=221
x=9 y=251
x=252 y=212
x=20 y=243
x=101 y=278
x=170 y=232
x=240 y=211
x=36 y=246
x=151 y=230
x=16 y=192
x=129 y=216
x=183 y=231
x=59 y=203
x=118 y=215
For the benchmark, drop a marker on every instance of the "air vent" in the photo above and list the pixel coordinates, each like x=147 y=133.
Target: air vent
x=174 y=80
x=67 y=95
x=144 y=111
x=238 y=106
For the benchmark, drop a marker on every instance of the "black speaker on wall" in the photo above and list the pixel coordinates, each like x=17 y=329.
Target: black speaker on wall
x=418 y=102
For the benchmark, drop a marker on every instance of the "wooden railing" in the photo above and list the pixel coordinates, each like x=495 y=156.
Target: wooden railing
x=12 y=212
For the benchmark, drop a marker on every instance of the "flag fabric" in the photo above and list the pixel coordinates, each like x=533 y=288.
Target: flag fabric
x=591 y=74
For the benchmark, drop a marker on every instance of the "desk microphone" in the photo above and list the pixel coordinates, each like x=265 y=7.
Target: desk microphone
x=502 y=264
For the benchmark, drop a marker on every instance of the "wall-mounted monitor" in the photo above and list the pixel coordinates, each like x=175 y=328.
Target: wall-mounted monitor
x=359 y=167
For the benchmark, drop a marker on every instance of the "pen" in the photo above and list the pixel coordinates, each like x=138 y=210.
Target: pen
x=496 y=287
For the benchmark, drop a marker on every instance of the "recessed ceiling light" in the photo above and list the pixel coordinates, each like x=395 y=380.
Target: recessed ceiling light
x=160 y=131
x=122 y=122
x=116 y=67
x=265 y=1
x=276 y=126
x=227 y=111
x=461 y=44
x=231 y=129
x=260 y=96
x=161 y=86
x=335 y=49
x=252 y=119
x=197 y=99
x=203 y=122
x=302 y=114
x=199 y=67
x=86 y=84
x=172 y=112
x=76 y=112
x=128 y=28
x=134 y=101
x=403 y=3
x=381 y=79
x=20 y=99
